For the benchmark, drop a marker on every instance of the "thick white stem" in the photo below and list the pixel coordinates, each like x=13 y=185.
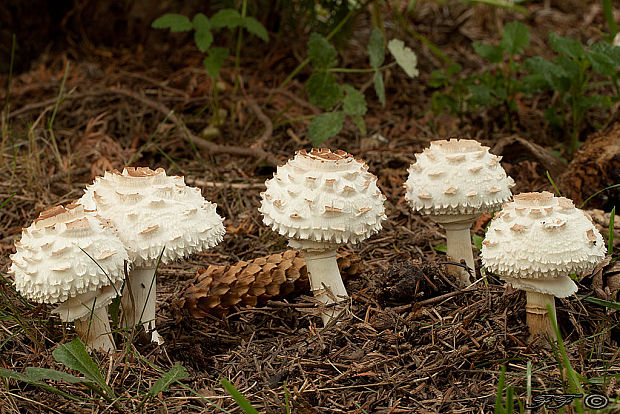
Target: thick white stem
x=95 y=331
x=459 y=245
x=139 y=297
x=537 y=316
x=325 y=281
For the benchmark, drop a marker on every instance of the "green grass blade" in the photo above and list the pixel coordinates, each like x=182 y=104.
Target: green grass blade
x=238 y=397
x=605 y=303
x=4 y=203
x=553 y=184
x=597 y=193
x=574 y=385
x=610 y=238
x=499 y=407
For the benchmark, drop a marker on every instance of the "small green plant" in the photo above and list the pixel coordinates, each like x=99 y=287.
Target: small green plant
x=203 y=28
x=498 y=86
x=243 y=403
x=571 y=75
x=499 y=396
x=74 y=356
x=340 y=100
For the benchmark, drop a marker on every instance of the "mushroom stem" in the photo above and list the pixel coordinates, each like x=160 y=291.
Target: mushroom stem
x=537 y=316
x=325 y=281
x=138 y=301
x=95 y=331
x=459 y=244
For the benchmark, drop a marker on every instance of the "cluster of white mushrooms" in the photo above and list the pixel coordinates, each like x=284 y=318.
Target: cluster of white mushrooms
x=79 y=255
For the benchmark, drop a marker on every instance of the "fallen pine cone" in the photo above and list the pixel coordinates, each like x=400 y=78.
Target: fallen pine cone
x=216 y=289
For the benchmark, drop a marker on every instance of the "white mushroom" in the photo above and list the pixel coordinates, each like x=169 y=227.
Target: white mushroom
x=71 y=257
x=534 y=244
x=455 y=182
x=152 y=213
x=320 y=200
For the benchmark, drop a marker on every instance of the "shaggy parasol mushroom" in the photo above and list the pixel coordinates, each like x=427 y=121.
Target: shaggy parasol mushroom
x=72 y=257
x=319 y=200
x=534 y=244
x=455 y=182
x=154 y=214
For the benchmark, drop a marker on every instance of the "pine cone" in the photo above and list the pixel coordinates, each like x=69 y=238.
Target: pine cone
x=216 y=289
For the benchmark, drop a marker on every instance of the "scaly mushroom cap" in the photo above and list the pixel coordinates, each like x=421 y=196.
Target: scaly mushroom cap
x=52 y=262
x=538 y=238
x=323 y=196
x=458 y=176
x=151 y=210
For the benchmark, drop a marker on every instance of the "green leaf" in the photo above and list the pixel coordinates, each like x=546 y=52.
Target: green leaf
x=214 y=61
x=405 y=57
x=6 y=373
x=494 y=54
x=202 y=35
x=481 y=95
x=74 y=356
x=477 y=241
x=613 y=52
x=174 y=22
x=550 y=71
x=441 y=247
x=256 y=28
x=379 y=87
x=601 y=63
x=354 y=102
x=200 y=22
x=176 y=373
x=359 y=122
x=37 y=374
x=323 y=90
x=229 y=18
x=567 y=46
x=515 y=37
x=243 y=403
x=376 y=48
x=321 y=53
x=203 y=39
x=325 y=126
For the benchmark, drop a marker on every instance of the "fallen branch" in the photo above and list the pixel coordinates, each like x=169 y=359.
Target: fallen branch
x=208 y=146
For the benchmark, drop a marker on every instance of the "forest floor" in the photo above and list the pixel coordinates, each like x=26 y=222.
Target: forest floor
x=396 y=349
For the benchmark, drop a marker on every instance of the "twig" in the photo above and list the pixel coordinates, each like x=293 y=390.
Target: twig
x=264 y=119
x=210 y=147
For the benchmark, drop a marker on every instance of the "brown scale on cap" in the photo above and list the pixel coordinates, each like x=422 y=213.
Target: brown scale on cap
x=143 y=171
x=78 y=224
x=50 y=212
x=534 y=197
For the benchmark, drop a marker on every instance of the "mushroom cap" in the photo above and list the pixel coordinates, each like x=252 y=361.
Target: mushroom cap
x=538 y=236
x=151 y=210
x=457 y=177
x=323 y=196
x=52 y=262
x=82 y=305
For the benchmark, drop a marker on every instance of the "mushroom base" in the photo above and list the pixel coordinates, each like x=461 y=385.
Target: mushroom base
x=138 y=301
x=95 y=331
x=537 y=316
x=459 y=244
x=324 y=275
